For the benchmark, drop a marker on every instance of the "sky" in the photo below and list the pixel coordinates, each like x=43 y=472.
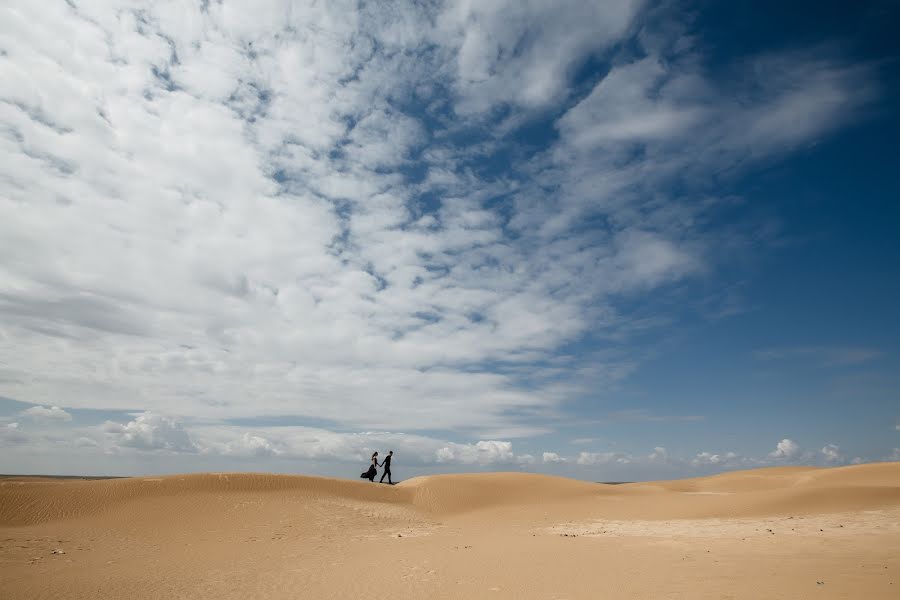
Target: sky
x=613 y=240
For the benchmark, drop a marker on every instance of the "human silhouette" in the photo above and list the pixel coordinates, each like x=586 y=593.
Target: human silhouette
x=372 y=472
x=387 y=467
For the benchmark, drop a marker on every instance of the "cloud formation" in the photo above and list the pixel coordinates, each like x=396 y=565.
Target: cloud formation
x=785 y=449
x=552 y=458
x=149 y=431
x=716 y=460
x=229 y=211
x=150 y=438
x=602 y=458
x=43 y=413
x=832 y=453
x=659 y=454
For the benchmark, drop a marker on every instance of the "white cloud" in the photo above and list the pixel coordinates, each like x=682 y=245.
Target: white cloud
x=787 y=100
x=832 y=454
x=252 y=445
x=523 y=52
x=603 y=458
x=683 y=125
x=719 y=460
x=552 y=458
x=525 y=459
x=43 y=413
x=785 y=449
x=659 y=454
x=482 y=453
x=293 y=442
x=195 y=444
x=620 y=109
x=150 y=431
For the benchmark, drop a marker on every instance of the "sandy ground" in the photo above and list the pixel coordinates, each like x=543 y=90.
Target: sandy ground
x=771 y=533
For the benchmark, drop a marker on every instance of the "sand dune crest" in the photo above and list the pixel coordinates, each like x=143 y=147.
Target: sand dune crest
x=762 y=491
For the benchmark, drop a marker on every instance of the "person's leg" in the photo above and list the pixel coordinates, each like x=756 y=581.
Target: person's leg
x=386 y=472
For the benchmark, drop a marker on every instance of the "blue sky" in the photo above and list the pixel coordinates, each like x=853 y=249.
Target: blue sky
x=608 y=240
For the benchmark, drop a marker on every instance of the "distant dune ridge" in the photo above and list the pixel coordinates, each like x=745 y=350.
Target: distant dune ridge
x=772 y=491
x=247 y=534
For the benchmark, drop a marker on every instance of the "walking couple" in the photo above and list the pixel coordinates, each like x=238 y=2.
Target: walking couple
x=372 y=472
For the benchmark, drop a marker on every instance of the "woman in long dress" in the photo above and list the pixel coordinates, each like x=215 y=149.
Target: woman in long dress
x=372 y=472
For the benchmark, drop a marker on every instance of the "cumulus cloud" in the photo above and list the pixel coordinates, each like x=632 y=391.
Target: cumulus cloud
x=482 y=453
x=252 y=445
x=525 y=459
x=43 y=413
x=552 y=458
x=659 y=454
x=785 y=449
x=150 y=431
x=603 y=458
x=199 y=441
x=712 y=459
x=831 y=453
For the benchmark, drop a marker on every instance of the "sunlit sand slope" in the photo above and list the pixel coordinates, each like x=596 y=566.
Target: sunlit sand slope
x=776 y=533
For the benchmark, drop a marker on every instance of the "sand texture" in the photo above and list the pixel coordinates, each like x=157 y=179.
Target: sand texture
x=769 y=533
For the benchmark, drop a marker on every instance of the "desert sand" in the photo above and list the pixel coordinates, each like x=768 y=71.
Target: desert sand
x=770 y=533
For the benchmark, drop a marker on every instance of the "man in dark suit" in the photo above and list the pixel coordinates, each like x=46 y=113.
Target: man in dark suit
x=387 y=467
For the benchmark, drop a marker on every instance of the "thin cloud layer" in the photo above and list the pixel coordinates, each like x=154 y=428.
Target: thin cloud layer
x=44 y=413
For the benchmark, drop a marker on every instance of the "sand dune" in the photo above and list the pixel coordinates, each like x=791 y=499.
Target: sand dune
x=31 y=500
x=775 y=533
